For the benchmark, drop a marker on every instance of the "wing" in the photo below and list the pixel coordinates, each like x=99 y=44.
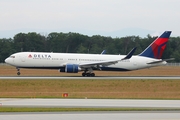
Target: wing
x=108 y=62
x=95 y=64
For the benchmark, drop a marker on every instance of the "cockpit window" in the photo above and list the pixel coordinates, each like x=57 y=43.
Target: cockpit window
x=12 y=56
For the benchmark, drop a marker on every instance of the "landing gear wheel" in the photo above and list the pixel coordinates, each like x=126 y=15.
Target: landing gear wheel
x=83 y=74
x=88 y=74
x=18 y=73
x=92 y=74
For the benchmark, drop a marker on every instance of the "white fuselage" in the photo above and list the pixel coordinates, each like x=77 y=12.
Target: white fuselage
x=58 y=60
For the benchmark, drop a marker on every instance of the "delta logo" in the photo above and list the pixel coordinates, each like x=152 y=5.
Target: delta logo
x=30 y=56
x=39 y=56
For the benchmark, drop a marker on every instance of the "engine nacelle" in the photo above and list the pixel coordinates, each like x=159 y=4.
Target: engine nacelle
x=70 y=68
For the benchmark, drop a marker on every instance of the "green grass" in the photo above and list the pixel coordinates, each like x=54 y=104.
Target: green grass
x=112 y=89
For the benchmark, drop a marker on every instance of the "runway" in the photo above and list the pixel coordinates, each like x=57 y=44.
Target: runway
x=150 y=115
x=90 y=103
x=99 y=78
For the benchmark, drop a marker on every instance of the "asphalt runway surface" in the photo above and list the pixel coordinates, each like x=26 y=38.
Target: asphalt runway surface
x=100 y=77
x=90 y=103
x=133 y=115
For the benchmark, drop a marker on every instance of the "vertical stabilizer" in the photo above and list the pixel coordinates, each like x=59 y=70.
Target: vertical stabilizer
x=157 y=47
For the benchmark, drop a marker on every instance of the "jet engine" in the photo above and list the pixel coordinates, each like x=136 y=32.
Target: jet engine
x=71 y=68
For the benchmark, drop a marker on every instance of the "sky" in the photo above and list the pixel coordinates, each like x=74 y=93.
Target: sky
x=115 y=18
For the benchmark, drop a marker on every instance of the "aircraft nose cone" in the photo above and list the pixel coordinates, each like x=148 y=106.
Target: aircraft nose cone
x=6 y=60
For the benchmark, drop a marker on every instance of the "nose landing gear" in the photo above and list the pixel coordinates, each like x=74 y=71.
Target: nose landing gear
x=18 y=71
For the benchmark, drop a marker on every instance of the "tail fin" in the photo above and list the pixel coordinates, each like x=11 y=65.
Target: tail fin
x=157 y=47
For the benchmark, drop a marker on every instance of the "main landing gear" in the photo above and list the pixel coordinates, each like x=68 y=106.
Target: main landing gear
x=88 y=73
x=18 y=71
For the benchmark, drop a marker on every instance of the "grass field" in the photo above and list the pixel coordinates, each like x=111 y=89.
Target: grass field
x=136 y=89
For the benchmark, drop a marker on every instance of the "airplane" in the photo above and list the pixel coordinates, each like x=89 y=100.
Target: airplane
x=74 y=63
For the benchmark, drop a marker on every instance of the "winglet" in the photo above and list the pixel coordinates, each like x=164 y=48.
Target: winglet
x=103 y=52
x=129 y=55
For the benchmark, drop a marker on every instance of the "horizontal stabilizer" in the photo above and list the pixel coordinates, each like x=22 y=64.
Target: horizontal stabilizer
x=155 y=62
x=170 y=59
x=129 y=55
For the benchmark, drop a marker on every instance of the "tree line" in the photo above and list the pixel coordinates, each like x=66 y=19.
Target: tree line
x=78 y=43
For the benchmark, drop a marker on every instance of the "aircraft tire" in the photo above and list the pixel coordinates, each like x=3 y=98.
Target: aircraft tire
x=83 y=74
x=88 y=74
x=18 y=73
x=92 y=74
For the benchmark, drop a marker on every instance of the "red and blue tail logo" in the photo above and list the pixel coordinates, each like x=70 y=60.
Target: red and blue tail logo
x=157 y=47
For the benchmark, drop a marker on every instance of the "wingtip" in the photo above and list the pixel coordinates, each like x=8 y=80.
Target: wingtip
x=130 y=54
